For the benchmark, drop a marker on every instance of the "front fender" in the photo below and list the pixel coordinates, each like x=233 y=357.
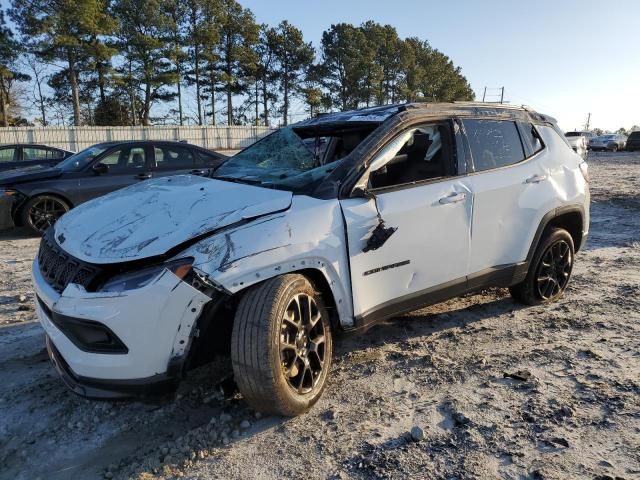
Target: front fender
x=310 y=235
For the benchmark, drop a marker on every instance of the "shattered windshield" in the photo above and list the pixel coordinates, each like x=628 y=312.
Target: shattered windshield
x=278 y=157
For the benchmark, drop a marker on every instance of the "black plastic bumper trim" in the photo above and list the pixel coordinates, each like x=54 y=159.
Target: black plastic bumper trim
x=71 y=326
x=111 y=389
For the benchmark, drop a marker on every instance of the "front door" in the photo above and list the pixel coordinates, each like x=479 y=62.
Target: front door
x=418 y=191
x=127 y=164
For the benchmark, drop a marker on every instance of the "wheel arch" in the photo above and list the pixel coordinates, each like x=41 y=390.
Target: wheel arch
x=569 y=217
x=17 y=213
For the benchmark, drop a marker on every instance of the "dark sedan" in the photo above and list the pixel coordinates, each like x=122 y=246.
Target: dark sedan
x=21 y=155
x=37 y=197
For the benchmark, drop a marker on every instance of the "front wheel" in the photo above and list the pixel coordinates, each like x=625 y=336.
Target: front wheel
x=41 y=212
x=281 y=346
x=549 y=271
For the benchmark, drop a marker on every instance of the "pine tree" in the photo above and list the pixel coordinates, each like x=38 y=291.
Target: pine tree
x=64 y=30
x=292 y=55
x=238 y=34
x=143 y=28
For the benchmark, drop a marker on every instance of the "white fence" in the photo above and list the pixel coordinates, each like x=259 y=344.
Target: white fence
x=78 y=138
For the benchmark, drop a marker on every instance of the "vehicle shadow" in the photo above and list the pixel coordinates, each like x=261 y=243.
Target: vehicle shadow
x=17 y=233
x=431 y=320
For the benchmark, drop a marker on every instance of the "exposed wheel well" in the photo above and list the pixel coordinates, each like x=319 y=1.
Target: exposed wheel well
x=216 y=321
x=572 y=222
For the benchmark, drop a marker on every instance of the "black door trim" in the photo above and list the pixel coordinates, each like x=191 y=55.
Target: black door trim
x=498 y=276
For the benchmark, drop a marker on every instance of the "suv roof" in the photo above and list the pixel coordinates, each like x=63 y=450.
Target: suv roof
x=380 y=114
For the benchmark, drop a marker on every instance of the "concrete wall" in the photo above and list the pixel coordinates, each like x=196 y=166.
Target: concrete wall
x=78 y=138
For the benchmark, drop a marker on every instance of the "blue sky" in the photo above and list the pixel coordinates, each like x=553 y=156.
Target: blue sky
x=565 y=58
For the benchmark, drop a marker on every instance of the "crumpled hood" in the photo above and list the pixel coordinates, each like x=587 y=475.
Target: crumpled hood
x=151 y=217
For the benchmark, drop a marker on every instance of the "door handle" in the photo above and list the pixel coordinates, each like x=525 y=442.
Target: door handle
x=536 y=179
x=143 y=176
x=198 y=172
x=454 y=198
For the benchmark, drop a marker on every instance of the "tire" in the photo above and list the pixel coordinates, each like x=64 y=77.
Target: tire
x=614 y=149
x=277 y=371
x=42 y=211
x=549 y=272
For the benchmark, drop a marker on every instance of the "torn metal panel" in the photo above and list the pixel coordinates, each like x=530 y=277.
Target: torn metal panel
x=310 y=235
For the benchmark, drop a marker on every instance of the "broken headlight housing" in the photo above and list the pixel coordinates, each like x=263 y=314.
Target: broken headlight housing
x=140 y=278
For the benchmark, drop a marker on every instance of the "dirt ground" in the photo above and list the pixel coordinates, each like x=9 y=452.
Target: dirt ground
x=574 y=412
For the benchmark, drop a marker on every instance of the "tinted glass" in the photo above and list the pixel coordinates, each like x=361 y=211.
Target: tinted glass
x=530 y=137
x=81 y=159
x=493 y=143
x=204 y=159
x=572 y=134
x=7 y=154
x=170 y=157
x=36 y=153
x=125 y=159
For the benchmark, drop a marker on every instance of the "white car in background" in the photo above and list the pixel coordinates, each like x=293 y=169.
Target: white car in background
x=293 y=240
x=610 y=142
x=579 y=141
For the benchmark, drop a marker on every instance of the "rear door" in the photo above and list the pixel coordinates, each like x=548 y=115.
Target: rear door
x=127 y=164
x=420 y=193
x=511 y=186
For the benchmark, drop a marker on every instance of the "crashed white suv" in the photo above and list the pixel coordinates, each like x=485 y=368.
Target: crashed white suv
x=329 y=225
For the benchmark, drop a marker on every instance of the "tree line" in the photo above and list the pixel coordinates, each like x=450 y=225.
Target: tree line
x=110 y=62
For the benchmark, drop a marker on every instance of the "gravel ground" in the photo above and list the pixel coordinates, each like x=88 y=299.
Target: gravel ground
x=477 y=387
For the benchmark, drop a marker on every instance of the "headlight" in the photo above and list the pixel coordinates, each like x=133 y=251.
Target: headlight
x=140 y=278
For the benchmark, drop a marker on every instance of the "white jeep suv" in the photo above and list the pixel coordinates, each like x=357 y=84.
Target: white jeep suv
x=329 y=225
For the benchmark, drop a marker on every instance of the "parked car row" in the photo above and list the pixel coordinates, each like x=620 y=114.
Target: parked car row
x=332 y=224
x=30 y=155
x=581 y=141
x=38 y=196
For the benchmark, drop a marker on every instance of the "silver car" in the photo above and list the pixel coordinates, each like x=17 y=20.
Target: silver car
x=610 y=142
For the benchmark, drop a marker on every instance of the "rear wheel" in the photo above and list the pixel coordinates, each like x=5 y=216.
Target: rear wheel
x=549 y=271
x=281 y=346
x=41 y=212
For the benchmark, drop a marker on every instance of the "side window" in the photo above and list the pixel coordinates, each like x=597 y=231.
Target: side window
x=33 y=153
x=174 y=157
x=531 y=138
x=7 y=154
x=493 y=143
x=421 y=153
x=205 y=160
x=129 y=159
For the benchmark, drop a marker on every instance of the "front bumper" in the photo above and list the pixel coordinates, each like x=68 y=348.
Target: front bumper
x=111 y=389
x=155 y=323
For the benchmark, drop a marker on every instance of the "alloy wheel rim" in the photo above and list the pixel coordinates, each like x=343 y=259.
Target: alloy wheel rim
x=44 y=213
x=554 y=270
x=302 y=344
